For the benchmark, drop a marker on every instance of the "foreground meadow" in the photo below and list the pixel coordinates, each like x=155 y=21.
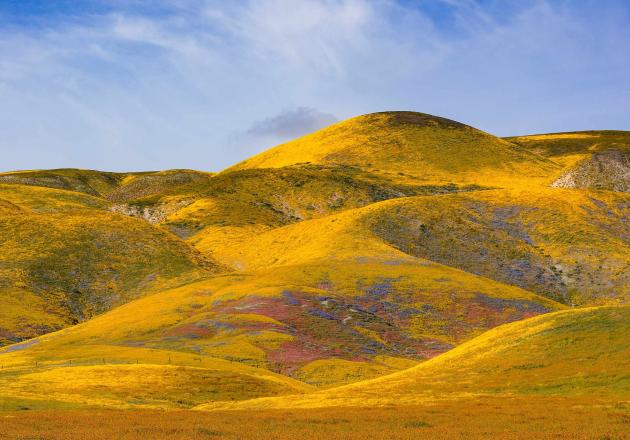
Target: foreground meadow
x=479 y=418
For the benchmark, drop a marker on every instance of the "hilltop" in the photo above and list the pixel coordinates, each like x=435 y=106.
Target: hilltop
x=411 y=146
x=108 y=185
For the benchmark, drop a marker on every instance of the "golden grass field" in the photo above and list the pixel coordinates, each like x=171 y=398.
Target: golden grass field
x=393 y=276
x=498 y=418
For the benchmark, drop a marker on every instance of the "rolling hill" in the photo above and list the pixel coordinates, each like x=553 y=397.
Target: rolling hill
x=108 y=185
x=65 y=258
x=235 y=203
x=326 y=324
x=94 y=183
x=592 y=159
x=582 y=352
x=411 y=146
x=516 y=237
x=396 y=259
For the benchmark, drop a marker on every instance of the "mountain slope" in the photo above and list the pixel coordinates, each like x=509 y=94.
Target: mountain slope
x=300 y=321
x=592 y=159
x=139 y=185
x=366 y=248
x=64 y=258
x=414 y=146
x=515 y=237
x=521 y=238
x=581 y=352
x=329 y=302
x=94 y=183
x=563 y=147
x=232 y=206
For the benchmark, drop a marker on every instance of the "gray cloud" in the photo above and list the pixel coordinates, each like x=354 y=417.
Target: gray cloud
x=292 y=123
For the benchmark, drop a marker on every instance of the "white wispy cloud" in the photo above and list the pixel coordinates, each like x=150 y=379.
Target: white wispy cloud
x=133 y=88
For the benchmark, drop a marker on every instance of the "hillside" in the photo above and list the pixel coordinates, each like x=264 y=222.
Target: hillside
x=325 y=324
x=562 y=147
x=236 y=203
x=521 y=238
x=108 y=185
x=592 y=159
x=514 y=237
x=581 y=352
x=94 y=183
x=65 y=258
x=411 y=146
x=373 y=247
x=154 y=379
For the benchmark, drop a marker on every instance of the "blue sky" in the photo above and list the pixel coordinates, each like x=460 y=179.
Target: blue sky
x=137 y=84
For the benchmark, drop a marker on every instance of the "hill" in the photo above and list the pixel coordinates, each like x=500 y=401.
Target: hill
x=232 y=206
x=561 y=382
x=112 y=186
x=373 y=246
x=327 y=301
x=512 y=236
x=562 y=147
x=139 y=185
x=579 y=352
x=324 y=324
x=521 y=238
x=411 y=146
x=144 y=383
x=592 y=159
x=94 y=183
x=65 y=258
